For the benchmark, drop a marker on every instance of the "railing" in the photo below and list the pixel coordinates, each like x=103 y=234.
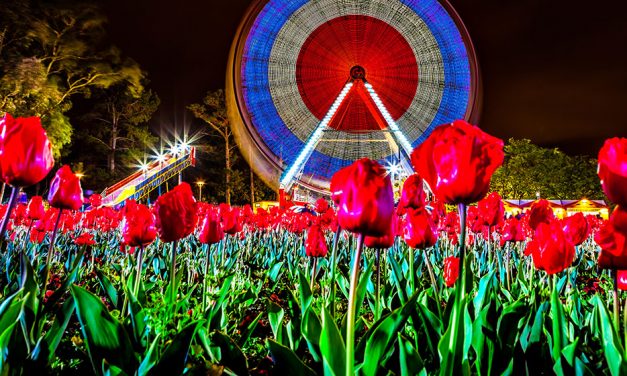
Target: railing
x=139 y=184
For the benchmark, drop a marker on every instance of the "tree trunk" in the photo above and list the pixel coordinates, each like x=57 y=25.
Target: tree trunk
x=228 y=170
x=113 y=141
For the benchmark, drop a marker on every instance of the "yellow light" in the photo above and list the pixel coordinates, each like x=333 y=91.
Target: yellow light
x=200 y=183
x=79 y=175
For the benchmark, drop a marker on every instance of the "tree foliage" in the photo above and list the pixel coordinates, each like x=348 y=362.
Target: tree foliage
x=51 y=52
x=114 y=136
x=213 y=112
x=529 y=169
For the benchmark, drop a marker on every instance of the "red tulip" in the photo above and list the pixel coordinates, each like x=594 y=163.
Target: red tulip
x=19 y=214
x=138 y=224
x=321 y=205
x=211 y=230
x=613 y=170
x=25 y=151
x=35 y=209
x=576 y=228
x=475 y=222
x=451 y=270
x=316 y=244
x=85 y=239
x=457 y=161
x=38 y=232
x=540 y=212
x=621 y=280
x=95 y=200
x=491 y=209
x=413 y=194
x=550 y=249
x=175 y=213
x=65 y=190
x=231 y=221
x=612 y=238
x=366 y=201
x=338 y=180
x=512 y=231
x=383 y=242
x=418 y=231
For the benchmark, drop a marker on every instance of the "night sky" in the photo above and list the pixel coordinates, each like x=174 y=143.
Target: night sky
x=553 y=71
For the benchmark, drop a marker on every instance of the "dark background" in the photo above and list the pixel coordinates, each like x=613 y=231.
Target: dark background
x=553 y=71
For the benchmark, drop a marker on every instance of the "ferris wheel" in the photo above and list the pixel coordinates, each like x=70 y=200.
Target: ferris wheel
x=314 y=85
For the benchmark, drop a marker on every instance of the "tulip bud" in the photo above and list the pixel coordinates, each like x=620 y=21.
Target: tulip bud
x=457 y=160
x=65 y=190
x=25 y=151
x=175 y=213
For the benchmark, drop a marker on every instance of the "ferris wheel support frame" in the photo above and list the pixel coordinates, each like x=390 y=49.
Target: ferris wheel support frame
x=396 y=136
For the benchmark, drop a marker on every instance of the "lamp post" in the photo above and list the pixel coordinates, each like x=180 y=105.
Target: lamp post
x=200 y=183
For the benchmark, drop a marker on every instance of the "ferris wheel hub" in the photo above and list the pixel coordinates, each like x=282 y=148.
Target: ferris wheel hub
x=358 y=73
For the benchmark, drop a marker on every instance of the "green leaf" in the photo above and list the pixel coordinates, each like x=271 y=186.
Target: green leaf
x=332 y=346
x=410 y=361
x=558 y=324
x=311 y=327
x=360 y=293
x=286 y=362
x=230 y=355
x=453 y=360
x=273 y=274
x=5 y=339
x=174 y=358
x=222 y=295
x=379 y=341
x=613 y=350
x=275 y=317
x=112 y=293
x=305 y=291
x=10 y=310
x=47 y=345
x=105 y=338
x=423 y=318
x=150 y=358
x=246 y=334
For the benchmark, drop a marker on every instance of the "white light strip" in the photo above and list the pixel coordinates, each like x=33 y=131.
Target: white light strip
x=404 y=142
x=312 y=142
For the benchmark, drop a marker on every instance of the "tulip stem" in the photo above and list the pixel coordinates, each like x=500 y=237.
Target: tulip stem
x=336 y=239
x=138 y=274
x=207 y=250
x=462 y=247
x=173 y=273
x=433 y=281
x=313 y=273
x=377 y=304
x=412 y=272
x=352 y=308
x=616 y=301
x=557 y=330
x=26 y=236
x=51 y=250
x=625 y=324
x=7 y=216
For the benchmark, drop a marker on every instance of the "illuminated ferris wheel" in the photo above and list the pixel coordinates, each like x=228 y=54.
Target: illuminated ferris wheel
x=314 y=85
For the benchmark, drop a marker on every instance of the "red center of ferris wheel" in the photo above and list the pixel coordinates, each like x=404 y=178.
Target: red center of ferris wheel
x=337 y=48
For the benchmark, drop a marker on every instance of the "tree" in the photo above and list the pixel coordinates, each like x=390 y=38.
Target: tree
x=124 y=111
x=213 y=112
x=529 y=169
x=51 y=52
